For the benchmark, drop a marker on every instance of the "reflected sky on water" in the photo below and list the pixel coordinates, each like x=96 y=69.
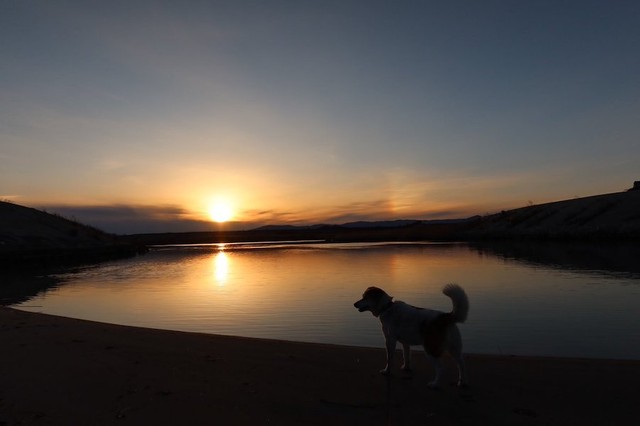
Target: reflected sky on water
x=306 y=291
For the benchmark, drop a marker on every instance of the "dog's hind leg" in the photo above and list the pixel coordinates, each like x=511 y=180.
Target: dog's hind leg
x=406 y=353
x=434 y=334
x=437 y=366
x=455 y=349
x=462 y=372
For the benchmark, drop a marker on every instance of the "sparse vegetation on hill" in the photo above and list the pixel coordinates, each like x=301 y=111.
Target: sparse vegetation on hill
x=30 y=237
x=602 y=217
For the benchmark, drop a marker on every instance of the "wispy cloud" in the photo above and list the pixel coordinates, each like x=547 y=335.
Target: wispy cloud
x=308 y=113
x=126 y=219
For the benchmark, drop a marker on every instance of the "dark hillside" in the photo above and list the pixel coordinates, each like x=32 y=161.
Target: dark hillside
x=30 y=237
x=603 y=217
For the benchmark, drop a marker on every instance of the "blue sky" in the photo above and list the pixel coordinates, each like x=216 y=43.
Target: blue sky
x=137 y=116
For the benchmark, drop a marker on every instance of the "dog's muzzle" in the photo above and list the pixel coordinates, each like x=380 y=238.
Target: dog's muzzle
x=360 y=306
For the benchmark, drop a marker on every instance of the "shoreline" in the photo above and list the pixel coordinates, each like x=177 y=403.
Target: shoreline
x=56 y=371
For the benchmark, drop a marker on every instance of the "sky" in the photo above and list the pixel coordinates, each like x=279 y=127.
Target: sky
x=139 y=116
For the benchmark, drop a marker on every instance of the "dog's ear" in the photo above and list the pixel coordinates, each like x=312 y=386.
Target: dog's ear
x=374 y=293
x=379 y=299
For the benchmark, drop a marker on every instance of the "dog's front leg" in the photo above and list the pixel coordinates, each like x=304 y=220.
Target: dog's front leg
x=390 y=345
x=406 y=353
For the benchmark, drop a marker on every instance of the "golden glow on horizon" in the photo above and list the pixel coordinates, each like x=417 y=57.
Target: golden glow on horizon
x=220 y=211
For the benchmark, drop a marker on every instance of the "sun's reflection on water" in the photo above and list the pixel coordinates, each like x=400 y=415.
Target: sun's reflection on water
x=221 y=267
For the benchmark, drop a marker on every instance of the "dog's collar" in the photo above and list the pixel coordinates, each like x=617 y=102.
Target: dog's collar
x=385 y=308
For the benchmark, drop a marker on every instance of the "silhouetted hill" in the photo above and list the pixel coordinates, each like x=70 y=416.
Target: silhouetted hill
x=35 y=238
x=379 y=224
x=608 y=216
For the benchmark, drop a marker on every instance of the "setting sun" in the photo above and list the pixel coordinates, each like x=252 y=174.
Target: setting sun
x=220 y=211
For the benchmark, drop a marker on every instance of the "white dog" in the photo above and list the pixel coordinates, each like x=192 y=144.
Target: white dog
x=436 y=331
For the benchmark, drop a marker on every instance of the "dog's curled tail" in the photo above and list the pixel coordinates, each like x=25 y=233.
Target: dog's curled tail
x=460 y=301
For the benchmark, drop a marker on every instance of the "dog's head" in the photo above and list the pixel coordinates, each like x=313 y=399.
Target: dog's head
x=374 y=299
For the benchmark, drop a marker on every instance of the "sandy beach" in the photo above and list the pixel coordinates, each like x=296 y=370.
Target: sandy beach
x=61 y=371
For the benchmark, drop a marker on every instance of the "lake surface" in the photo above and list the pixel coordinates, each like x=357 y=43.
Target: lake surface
x=522 y=302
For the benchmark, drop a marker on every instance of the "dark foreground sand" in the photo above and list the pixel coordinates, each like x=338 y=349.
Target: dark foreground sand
x=60 y=371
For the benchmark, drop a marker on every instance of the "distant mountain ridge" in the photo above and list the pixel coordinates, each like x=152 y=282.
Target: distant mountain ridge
x=366 y=224
x=610 y=217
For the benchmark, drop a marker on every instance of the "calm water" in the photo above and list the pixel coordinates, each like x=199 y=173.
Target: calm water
x=519 y=304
